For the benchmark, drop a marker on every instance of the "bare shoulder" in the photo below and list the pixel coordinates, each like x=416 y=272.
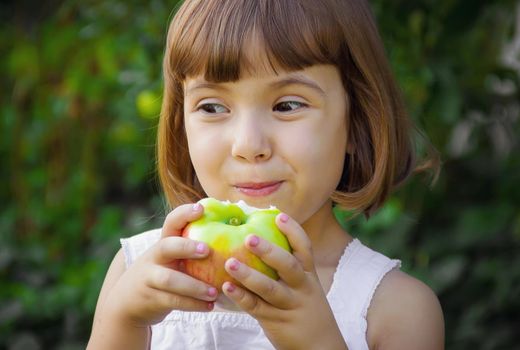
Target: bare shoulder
x=116 y=269
x=405 y=314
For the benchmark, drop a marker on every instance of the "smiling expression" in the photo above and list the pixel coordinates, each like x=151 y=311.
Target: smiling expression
x=269 y=139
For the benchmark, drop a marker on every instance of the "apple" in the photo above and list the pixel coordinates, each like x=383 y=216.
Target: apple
x=224 y=227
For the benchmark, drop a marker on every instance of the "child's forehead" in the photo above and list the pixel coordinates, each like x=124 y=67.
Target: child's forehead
x=261 y=76
x=320 y=78
x=255 y=62
x=255 y=59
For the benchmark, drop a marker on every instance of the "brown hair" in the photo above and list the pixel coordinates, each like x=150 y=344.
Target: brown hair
x=209 y=37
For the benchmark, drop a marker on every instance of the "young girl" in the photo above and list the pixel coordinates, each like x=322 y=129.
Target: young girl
x=285 y=103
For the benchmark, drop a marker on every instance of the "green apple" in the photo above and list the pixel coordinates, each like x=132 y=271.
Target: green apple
x=224 y=227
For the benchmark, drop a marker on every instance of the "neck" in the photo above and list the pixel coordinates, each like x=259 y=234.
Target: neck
x=327 y=236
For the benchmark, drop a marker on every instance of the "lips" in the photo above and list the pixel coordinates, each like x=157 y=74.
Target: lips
x=258 y=189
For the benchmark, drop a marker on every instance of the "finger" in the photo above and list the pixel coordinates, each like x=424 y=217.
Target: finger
x=175 y=282
x=171 y=301
x=245 y=300
x=177 y=219
x=268 y=289
x=298 y=239
x=172 y=248
x=288 y=267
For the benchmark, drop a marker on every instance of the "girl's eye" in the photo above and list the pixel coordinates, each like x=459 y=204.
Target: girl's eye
x=289 y=106
x=212 y=108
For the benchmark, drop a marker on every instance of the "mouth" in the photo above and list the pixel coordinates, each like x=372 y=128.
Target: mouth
x=258 y=189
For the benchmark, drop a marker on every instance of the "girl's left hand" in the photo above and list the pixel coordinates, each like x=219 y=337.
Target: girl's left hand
x=293 y=311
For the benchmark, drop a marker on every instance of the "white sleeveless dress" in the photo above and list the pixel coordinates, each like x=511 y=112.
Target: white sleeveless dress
x=357 y=276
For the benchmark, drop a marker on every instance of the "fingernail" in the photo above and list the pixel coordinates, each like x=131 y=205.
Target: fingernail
x=230 y=287
x=234 y=264
x=284 y=217
x=211 y=306
x=212 y=291
x=253 y=240
x=201 y=248
x=196 y=207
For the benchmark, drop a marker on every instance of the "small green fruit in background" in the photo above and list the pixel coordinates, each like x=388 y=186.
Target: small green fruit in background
x=148 y=104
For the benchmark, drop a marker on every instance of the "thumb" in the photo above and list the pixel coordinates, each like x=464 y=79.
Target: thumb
x=178 y=218
x=298 y=239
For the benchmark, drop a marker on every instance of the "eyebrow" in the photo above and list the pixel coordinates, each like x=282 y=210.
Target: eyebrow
x=206 y=85
x=298 y=80
x=290 y=80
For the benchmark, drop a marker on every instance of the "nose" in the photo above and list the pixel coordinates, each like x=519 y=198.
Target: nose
x=251 y=141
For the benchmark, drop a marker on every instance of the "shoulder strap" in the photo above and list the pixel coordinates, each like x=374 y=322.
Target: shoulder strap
x=135 y=246
x=358 y=275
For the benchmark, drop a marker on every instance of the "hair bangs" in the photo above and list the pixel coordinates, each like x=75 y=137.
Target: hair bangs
x=224 y=39
x=228 y=38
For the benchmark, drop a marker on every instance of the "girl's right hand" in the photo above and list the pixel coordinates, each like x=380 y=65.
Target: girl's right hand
x=153 y=286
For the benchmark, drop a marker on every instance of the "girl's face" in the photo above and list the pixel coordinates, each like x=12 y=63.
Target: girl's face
x=269 y=139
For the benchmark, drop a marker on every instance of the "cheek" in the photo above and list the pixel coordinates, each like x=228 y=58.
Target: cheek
x=324 y=153
x=326 y=156
x=317 y=156
x=205 y=152
x=325 y=169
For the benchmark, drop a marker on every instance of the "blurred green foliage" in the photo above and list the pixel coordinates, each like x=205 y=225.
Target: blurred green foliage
x=81 y=96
